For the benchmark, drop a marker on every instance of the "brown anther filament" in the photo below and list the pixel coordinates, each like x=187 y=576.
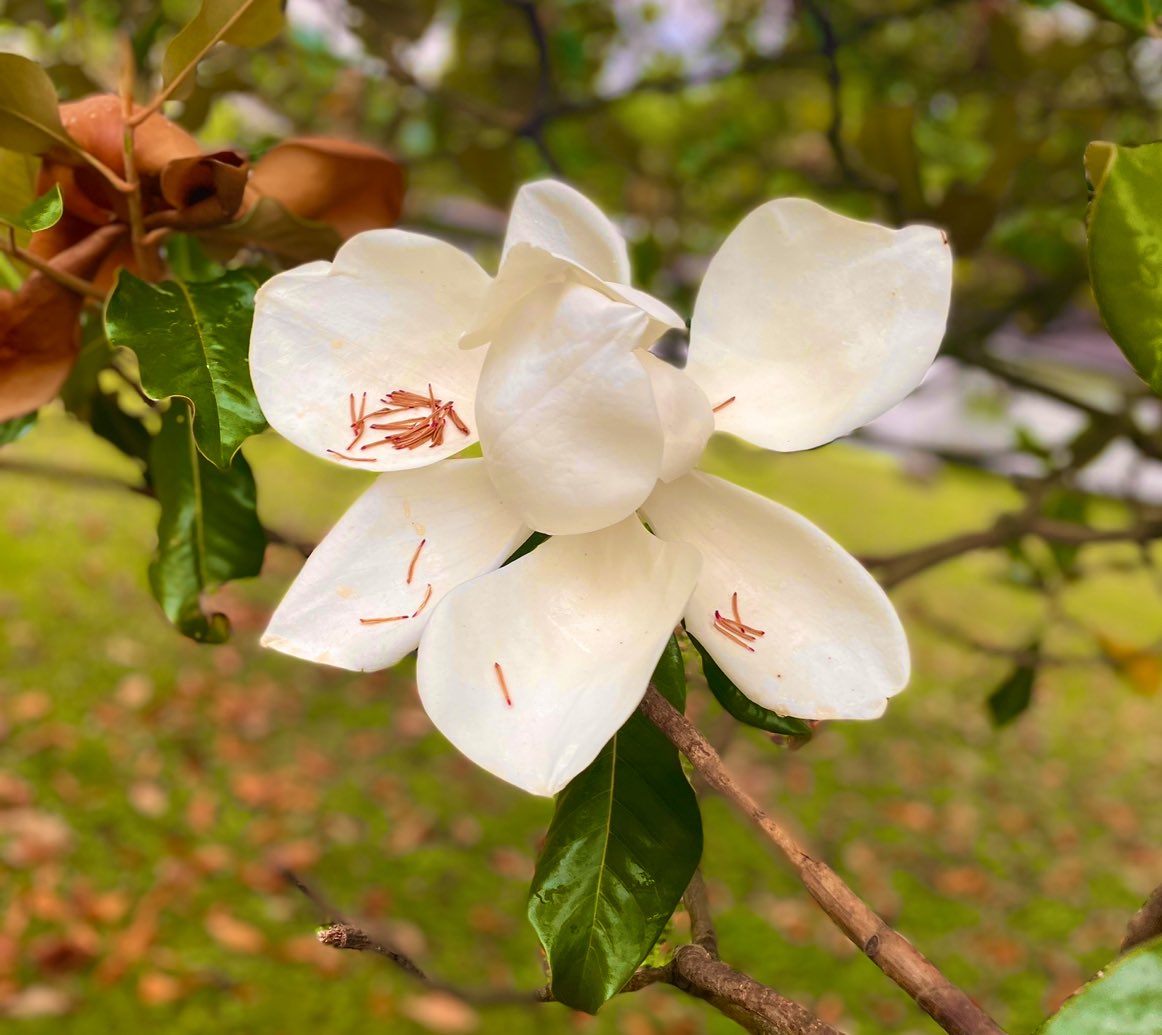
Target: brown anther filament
x=735 y=628
x=424 y=602
x=354 y=459
x=503 y=684
x=408 y=432
x=415 y=557
x=380 y=621
x=724 y=404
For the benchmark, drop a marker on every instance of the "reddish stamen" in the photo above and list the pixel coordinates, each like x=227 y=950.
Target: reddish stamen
x=424 y=602
x=723 y=405
x=503 y=684
x=415 y=557
x=731 y=636
x=380 y=621
x=735 y=628
x=353 y=459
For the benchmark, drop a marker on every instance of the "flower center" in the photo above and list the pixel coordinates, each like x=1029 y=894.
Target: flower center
x=735 y=629
x=406 y=433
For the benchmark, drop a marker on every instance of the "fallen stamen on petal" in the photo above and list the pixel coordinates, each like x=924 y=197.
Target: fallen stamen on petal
x=503 y=684
x=735 y=628
x=380 y=621
x=409 y=432
x=415 y=557
x=723 y=405
x=354 y=459
x=424 y=602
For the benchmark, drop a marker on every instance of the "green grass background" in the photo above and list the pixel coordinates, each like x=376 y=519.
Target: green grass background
x=149 y=786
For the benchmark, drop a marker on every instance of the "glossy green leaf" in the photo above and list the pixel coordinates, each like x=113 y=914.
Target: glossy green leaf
x=1013 y=696
x=741 y=707
x=244 y=23
x=30 y=120
x=17 y=428
x=208 y=531
x=1125 y=1000
x=193 y=341
x=528 y=546
x=17 y=182
x=39 y=214
x=625 y=839
x=1125 y=250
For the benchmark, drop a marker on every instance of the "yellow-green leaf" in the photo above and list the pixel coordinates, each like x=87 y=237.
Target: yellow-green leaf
x=30 y=120
x=39 y=214
x=244 y=23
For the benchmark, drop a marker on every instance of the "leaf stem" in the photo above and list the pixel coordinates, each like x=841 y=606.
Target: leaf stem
x=141 y=254
x=175 y=83
x=66 y=280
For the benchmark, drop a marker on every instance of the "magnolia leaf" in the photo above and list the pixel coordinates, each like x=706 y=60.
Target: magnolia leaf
x=741 y=707
x=1013 y=695
x=268 y=225
x=625 y=839
x=1124 y=1000
x=1143 y=16
x=1125 y=250
x=30 y=120
x=208 y=531
x=40 y=214
x=15 y=429
x=17 y=180
x=244 y=23
x=193 y=340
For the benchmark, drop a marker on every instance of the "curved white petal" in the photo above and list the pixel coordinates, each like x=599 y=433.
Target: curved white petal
x=527 y=267
x=815 y=323
x=567 y=419
x=563 y=221
x=574 y=630
x=361 y=569
x=687 y=421
x=386 y=315
x=833 y=647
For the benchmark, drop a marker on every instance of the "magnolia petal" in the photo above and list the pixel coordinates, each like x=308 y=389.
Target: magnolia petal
x=563 y=221
x=813 y=323
x=361 y=569
x=687 y=421
x=567 y=419
x=569 y=634
x=527 y=267
x=386 y=315
x=834 y=647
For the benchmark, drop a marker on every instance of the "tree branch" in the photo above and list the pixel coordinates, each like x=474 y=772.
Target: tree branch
x=1145 y=924
x=950 y=1007
x=701 y=923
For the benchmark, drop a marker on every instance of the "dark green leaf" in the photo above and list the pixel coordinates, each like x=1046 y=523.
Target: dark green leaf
x=82 y=383
x=17 y=428
x=193 y=341
x=528 y=546
x=39 y=214
x=1125 y=1000
x=1125 y=250
x=625 y=840
x=30 y=120
x=741 y=707
x=244 y=23
x=1013 y=695
x=208 y=531
x=118 y=428
x=188 y=261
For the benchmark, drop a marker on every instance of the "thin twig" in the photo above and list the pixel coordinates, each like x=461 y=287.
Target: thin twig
x=66 y=280
x=701 y=923
x=950 y=1007
x=1145 y=924
x=129 y=159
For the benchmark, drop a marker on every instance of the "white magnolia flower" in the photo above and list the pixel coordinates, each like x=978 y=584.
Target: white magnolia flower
x=807 y=325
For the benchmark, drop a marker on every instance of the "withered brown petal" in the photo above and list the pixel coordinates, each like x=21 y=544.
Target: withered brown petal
x=350 y=186
x=39 y=332
x=206 y=189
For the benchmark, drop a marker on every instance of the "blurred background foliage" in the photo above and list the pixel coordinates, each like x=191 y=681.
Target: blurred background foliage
x=150 y=785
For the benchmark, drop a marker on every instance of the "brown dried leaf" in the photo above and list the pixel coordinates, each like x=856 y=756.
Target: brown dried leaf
x=232 y=933
x=441 y=1013
x=349 y=186
x=39 y=333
